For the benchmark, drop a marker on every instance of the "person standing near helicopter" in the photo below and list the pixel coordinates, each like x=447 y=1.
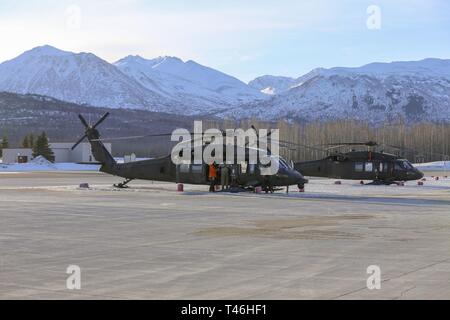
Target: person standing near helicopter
x=225 y=176
x=212 y=175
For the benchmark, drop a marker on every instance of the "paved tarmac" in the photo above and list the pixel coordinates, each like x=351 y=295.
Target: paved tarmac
x=151 y=242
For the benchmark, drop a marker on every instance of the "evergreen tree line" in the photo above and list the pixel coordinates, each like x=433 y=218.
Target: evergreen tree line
x=4 y=144
x=39 y=144
x=422 y=142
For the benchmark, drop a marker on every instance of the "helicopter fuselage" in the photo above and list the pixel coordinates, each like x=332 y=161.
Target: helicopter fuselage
x=163 y=169
x=361 y=166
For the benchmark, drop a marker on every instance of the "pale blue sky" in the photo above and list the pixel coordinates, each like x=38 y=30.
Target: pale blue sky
x=243 y=38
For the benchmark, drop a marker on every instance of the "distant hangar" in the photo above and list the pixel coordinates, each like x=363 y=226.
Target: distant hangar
x=63 y=153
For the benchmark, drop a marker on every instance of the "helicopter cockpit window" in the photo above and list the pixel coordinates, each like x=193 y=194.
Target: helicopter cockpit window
x=406 y=164
x=359 y=166
x=369 y=166
x=283 y=164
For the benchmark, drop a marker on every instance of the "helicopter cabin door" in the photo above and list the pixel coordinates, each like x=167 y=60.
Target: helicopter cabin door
x=383 y=170
x=192 y=173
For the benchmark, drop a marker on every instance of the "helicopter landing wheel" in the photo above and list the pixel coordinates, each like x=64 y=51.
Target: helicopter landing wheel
x=380 y=183
x=123 y=185
x=267 y=190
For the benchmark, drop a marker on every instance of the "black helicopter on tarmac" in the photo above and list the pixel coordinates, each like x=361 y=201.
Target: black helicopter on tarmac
x=380 y=167
x=163 y=169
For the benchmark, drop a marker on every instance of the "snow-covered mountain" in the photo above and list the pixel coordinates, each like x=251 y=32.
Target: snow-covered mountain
x=272 y=84
x=194 y=84
x=377 y=92
x=79 y=78
x=163 y=84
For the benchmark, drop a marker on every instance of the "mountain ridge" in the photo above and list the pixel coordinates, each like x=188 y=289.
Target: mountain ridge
x=188 y=81
x=172 y=86
x=375 y=92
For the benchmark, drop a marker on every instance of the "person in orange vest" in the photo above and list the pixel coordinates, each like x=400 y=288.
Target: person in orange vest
x=212 y=174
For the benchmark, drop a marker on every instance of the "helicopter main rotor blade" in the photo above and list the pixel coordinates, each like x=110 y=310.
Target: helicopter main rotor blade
x=146 y=136
x=257 y=136
x=78 y=142
x=16 y=119
x=335 y=147
x=103 y=118
x=254 y=129
x=415 y=151
x=302 y=145
x=342 y=144
x=83 y=121
x=134 y=137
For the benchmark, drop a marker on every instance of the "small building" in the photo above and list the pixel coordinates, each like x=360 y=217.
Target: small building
x=19 y=155
x=63 y=153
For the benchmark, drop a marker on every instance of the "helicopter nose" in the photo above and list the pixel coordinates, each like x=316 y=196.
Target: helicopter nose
x=419 y=174
x=300 y=179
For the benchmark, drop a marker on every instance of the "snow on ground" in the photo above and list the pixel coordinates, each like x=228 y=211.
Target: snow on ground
x=27 y=167
x=320 y=186
x=433 y=166
x=42 y=164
